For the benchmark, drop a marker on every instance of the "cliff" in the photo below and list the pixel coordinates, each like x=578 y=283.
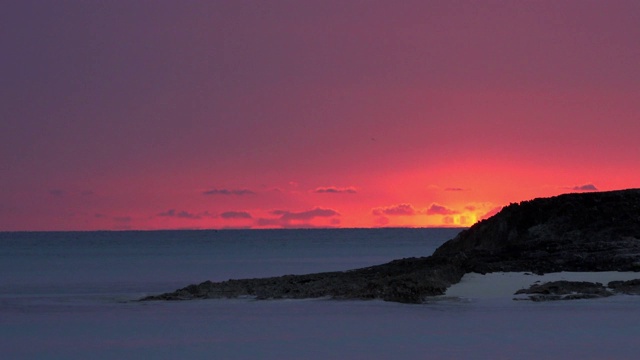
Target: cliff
x=572 y=232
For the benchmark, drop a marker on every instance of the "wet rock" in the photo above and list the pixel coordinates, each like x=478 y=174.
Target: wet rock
x=631 y=287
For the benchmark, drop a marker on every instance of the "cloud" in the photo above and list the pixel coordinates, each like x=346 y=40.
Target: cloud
x=454 y=189
x=237 y=192
x=236 y=215
x=184 y=214
x=395 y=210
x=300 y=219
x=585 y=187
x=335 y=190
x=436 y=209
x=304 y=215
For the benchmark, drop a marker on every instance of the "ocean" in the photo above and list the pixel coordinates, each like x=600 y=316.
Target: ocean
x=71 y=295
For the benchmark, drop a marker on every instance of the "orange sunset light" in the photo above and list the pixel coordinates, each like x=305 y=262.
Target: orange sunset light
x=301 y=114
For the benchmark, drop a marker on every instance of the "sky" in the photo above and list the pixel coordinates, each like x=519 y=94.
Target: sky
x=293 y=114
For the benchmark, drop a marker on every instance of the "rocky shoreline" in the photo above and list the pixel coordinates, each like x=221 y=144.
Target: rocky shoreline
x=406 y=280
x=592 y=232
x=572 y=290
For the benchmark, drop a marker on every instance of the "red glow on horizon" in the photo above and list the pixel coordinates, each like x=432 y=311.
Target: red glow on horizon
x=227 y=114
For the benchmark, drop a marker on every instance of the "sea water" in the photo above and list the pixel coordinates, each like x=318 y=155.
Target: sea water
x=70 y=296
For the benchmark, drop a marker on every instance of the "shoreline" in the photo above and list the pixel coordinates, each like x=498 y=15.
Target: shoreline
x=505 y=284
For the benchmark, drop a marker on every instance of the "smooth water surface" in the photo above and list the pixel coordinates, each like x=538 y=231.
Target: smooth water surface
x=68 y=296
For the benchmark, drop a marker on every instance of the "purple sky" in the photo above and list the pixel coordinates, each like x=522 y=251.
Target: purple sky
x=114 y=113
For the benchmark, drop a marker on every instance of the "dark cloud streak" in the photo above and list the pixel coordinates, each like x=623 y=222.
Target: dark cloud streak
x=236 y=215
x=335 y=190
x=304 y=215
x=395 y=210
x=299 y=219
x=184 y=214
x=236 y=192
x=585 y=187
x=436 y=209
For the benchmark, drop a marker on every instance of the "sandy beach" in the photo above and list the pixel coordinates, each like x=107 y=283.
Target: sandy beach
x=505 y=284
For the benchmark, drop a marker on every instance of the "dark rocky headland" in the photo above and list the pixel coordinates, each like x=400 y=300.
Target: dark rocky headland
x=598 y=231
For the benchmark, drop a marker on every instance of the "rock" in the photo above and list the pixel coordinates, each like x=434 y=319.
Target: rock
x=631 y=287
x=565 y=290
x=572 y=232
x=409 y=280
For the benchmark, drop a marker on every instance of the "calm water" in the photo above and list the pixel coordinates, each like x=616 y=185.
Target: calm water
x=134 y=262
x=67 y=296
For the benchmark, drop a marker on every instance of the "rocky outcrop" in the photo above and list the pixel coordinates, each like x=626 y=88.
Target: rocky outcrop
x=407 y=280
x=571 y=290
x=565 y=290
x=630 y=287
x=571 y=232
